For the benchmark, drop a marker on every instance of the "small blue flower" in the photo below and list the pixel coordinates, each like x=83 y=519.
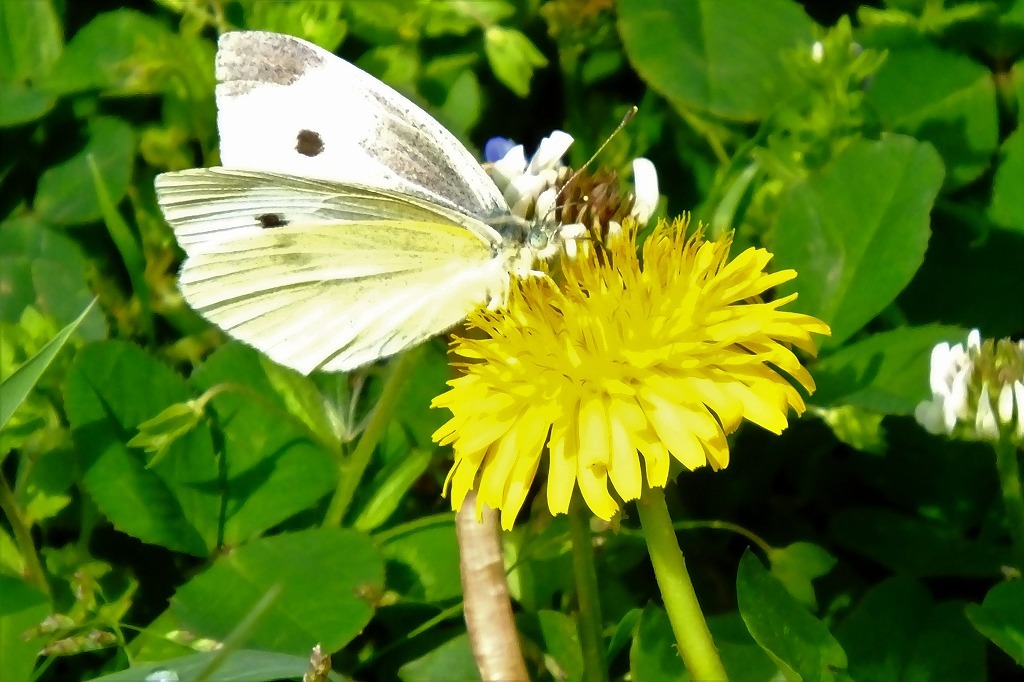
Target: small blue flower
x=496 y=148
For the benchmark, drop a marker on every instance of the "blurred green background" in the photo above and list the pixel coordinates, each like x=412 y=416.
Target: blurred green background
x=876 y=148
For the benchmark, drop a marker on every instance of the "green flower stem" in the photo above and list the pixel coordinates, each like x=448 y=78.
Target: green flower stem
x=355 y=466
x=23 y=536
x=1008 y=466
x=691 y=630
x=594 y=667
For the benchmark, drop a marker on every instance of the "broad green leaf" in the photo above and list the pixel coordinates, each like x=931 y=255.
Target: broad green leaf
x=1007 y=206
x=969 y=280
x=914 y=546
x=725 y=58
x=318 y=22
x=881 y=632
x=123 y=52
x=948 y=649
x=1001 y=617
x=31 y=39
x=16 y=387
x=857 y=231
x=653 y=654
x=239 y=666
x=424 y=559
x=22 y=608
x=555 y=634
x=274 y=465
x=44 y=268
x=67 y=194
x=797 y=565
x=799 y=643
x=512 y=57
x=742 y=657
x=944 y=98
x=329 y=579
x=111 y=389
x=20 y=103
x=452 y=660
x=461 y=18
x=896 y=632
x=886 y=372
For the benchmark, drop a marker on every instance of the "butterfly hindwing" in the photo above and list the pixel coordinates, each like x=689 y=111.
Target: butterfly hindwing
x=336 y=297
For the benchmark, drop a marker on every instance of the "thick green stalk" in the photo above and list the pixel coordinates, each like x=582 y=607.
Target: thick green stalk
x=688 y=625
x=595 y=669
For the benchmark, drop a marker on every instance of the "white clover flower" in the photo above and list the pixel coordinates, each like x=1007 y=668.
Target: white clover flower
x=977 y=390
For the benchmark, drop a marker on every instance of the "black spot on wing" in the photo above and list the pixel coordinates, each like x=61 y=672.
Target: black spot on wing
x=309 y=143
x=268 y=220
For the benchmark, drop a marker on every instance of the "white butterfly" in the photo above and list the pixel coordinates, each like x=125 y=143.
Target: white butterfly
x=346 y=224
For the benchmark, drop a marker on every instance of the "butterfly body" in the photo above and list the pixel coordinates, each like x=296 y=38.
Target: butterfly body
x=345 y=224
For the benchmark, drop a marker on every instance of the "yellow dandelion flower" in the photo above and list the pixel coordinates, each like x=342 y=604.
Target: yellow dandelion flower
x=633 y=360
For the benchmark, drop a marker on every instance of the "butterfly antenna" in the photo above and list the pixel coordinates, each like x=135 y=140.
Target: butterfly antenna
x=622 y=124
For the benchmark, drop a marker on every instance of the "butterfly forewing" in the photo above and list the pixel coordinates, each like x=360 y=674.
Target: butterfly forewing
x=286 y=105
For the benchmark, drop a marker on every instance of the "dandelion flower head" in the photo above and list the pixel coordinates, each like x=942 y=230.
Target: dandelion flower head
x=633 y=360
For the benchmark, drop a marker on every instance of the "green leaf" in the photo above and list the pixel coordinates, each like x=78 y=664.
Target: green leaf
x=742 y=658
x=31 y=39
x=653 y=654
x=799 y=643
x=329 y=578
x=44 y=268
x=886 y=372
x=1001 y=618
x=318 y=22
x=797 y=565
x=239 y=666
x=123 y=52
x=881 y=631
x=274 y=465
x=66 y=194
x=555 y=634
x=424 y=560
x=897 y=632
x=869 y=206
x=1007 y=206
x=725 y=58
x=944 y=98
x=16 y=387
x=22 y=609
x=21 y=103
x=512 y=57
x=968 y=280
x=177 y=503
x=914 y=546
x=452 y=660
